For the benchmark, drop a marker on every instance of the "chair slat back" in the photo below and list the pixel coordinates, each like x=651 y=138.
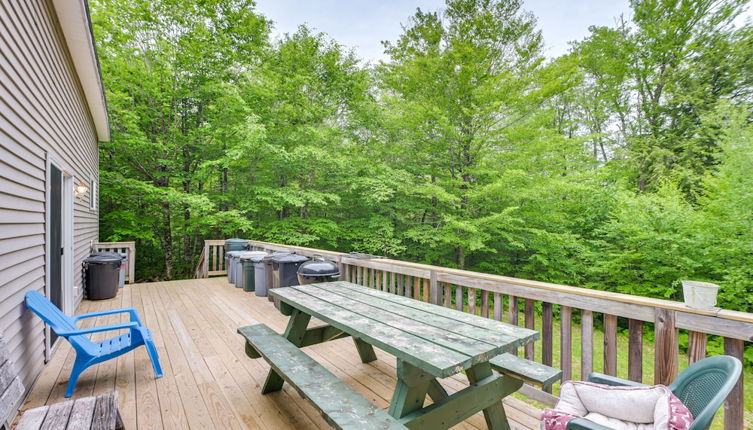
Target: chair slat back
x=704 y=385
x=55 y=318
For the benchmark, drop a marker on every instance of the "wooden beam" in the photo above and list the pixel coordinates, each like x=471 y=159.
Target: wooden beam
x=696 y=346
x=566 y=343
x=610 y=344
x=635 y=350
x=666 y=347
x=530 y=322
x=586 y=344
x=734 y=407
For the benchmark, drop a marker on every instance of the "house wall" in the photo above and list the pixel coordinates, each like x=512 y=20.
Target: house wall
x=42 y=112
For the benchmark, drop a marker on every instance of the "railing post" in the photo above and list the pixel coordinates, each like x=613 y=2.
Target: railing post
x=205 y=264
x=666 y=359
x=734 y=406
x=132 y=263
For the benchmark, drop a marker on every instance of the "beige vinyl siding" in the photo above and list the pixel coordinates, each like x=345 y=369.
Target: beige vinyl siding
x=42 y=111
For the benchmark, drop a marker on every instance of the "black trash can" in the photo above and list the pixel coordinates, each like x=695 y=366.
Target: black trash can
x=284 y=269
x=318 y=270
x=102 y=272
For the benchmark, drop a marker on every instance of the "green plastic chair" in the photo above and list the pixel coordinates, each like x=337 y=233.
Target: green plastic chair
x=702 y=387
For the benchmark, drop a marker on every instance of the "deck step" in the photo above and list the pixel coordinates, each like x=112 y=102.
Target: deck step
x=526 y=370
x=340 y=405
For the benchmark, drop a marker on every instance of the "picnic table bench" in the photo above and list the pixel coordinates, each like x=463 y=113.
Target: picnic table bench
x=430 y=342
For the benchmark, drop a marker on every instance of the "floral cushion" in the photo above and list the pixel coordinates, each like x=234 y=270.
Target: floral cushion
x=620 y=408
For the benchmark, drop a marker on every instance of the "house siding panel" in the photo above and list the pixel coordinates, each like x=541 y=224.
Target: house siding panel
x=43 y=113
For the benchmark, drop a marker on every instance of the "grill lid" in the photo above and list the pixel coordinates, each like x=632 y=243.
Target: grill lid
x=318 y=268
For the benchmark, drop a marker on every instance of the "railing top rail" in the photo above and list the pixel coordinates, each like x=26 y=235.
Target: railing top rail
x=116 y=244
x=458 y=276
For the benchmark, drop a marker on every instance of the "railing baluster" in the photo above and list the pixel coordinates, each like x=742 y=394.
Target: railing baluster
x=447 y=297
x=610 y=344
x=696 y=346
x=497 y=306
x=484 y=303
x=635 y=350
x=434 y=290
x=566 y=343
x=427 y=290
x=734 y=407
x=417 y=288
x=513 y=310
x=530 y=322
x=393 y=277
x=459 y=297
x=472 y=301
x=586 y=344
x=546 y=336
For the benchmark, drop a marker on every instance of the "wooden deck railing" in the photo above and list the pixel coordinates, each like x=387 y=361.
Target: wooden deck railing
x=500 y=297
x=128 y=248
x=212 y=259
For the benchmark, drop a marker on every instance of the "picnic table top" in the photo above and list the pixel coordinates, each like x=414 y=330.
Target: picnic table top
x=436 y=339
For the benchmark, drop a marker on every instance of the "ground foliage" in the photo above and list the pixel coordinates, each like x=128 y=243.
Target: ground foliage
x=624 y=165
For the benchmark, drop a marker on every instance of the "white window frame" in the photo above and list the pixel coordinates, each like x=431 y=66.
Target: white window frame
x=93 y=194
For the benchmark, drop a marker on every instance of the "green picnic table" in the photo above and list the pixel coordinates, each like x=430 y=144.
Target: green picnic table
x=430 y=342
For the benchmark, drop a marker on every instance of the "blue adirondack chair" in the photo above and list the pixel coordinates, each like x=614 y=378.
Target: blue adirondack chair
x=89 y=353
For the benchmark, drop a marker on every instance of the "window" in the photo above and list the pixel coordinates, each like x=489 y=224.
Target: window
x=93 y=196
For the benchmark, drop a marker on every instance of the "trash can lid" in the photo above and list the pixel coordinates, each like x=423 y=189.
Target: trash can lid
x=288 y=258
x=315 y=268
x=255 y=256
x=235 y=240
x=104 y=258
x=274 y=255
x=234 y=253
x=108 y=254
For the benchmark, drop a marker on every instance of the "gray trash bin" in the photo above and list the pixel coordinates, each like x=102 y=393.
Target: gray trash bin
x=248 y=266
x=102 y=276
x=236 y=244
x=231 y=259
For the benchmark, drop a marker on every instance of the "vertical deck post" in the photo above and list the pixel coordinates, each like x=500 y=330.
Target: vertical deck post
x=666 y=359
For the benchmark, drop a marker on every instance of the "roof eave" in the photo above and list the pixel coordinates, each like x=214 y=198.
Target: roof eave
x=75 y=23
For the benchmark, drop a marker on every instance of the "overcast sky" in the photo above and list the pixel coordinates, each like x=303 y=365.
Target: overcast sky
x=363 y=24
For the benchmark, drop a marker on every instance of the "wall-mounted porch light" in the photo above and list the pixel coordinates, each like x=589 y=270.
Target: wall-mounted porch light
x=80 y=189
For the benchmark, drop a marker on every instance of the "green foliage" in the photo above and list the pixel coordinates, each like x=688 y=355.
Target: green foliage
x=623 y=165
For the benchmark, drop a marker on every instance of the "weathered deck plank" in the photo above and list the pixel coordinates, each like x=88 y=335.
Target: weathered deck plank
x=208 y=313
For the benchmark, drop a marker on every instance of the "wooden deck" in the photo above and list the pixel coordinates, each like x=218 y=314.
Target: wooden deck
x=209 y=381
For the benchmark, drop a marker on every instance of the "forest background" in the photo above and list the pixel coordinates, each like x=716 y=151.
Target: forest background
x=625 y=165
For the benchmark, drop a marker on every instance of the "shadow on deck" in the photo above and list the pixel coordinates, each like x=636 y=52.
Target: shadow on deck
x=209 y=381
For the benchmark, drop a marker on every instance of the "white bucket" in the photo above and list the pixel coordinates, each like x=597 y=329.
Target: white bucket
x=699 y=295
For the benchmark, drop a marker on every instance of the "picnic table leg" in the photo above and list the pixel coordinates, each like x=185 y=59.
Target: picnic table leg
x=294 y=333
x=437 y=391
x=495 y=416
x=365 y=351
x=410 y=392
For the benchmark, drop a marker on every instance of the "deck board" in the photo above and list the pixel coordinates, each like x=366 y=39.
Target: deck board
x=209 y=381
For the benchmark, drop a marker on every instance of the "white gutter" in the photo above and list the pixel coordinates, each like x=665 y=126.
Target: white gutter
x=73 y=16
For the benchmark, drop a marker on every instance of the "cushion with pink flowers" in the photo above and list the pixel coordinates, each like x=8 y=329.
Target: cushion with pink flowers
x=619 y=408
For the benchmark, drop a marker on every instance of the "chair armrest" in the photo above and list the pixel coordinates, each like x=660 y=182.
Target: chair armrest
x=131 y=311
x=600 y=378
x=99 y=329
x=584 y=424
